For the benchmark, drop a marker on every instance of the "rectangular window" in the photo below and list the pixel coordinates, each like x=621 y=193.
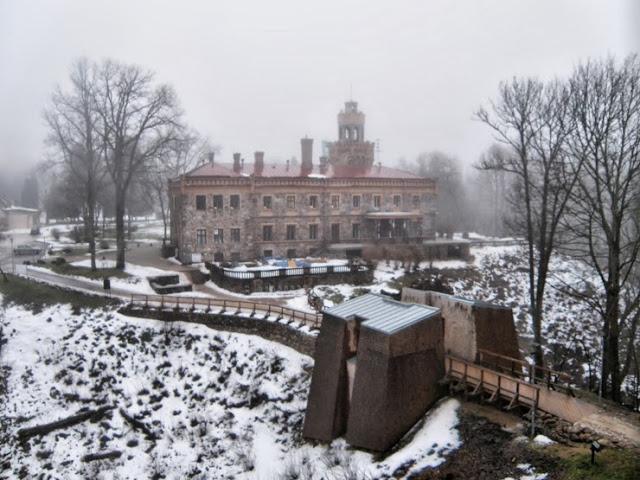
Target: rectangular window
x=355 y=230
x=201 y=236
x=415 y=201
x=201 y=202
x=235 y=235
x=313 y=201
x=234 y=201
x=266 y=202
x=356 y=201
x=313 y=231
x=217 y=202
x=218 y=257
x=396 y=200
x=235 y=257
x=291 y=201
x=335 y=232
x=267 y=253
x=267 y=233
x=335 y=201
x=377 y=201
x=291 y=253
x=218 y=235
x=291 y=232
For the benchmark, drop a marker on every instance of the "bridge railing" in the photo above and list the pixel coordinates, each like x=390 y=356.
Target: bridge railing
x=486 y=379
x=521 y=369
x=232 y=306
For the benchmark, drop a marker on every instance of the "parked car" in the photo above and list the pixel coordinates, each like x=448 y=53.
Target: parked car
x=27 y=249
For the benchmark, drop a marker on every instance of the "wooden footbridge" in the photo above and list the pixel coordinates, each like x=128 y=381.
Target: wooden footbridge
x=494 y=378
x=228 y=307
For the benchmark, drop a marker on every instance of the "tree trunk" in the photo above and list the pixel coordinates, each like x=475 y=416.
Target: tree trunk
x=128 y=225
x=120 y=244
x=164 y=220
x=611 y=354
x=91 y=230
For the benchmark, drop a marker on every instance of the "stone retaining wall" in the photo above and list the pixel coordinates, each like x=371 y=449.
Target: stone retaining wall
x=294 y=282
x=269 y=330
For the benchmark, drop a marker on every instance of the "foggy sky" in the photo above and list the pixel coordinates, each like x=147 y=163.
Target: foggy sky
x=259 y=75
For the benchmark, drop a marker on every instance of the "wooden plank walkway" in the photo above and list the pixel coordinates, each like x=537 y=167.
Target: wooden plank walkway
x=220 y=306
x=491 y=385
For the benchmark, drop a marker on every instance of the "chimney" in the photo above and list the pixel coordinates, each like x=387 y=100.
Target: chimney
x=210 y=156
x=236 y=162
x=259 y=161
x=307 y=153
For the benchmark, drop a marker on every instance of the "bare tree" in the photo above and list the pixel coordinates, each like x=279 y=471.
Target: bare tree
x=531 y=120
x=489 y=191
x=604 y=216
x=73 y=124
x=138 y=121
x=450 y=201
x=179 y=156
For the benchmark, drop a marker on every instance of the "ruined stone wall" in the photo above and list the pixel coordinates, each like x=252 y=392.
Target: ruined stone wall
x=274 y=331
x=470 y=326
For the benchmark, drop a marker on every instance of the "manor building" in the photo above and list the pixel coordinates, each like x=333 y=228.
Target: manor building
x=239 y=211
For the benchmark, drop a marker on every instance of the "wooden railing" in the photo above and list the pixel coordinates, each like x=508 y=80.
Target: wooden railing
x=484 y=380
x=521 y=369
x=227 y=306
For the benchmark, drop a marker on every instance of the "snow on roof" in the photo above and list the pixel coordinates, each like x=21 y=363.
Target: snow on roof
x=291 y=171
x=383 y=313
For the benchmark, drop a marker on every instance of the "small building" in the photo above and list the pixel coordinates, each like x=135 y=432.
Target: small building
x=21 y=218
x=470 y=325
x=377 y=366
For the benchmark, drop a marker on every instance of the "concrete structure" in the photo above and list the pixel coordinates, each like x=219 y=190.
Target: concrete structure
x=240 y=211
x=20 y=218
x=377 y=366
x=469 y=325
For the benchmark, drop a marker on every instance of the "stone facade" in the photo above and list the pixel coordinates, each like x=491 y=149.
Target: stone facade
x=237 y=211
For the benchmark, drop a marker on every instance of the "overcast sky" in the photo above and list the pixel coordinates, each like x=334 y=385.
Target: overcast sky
x=259 y=75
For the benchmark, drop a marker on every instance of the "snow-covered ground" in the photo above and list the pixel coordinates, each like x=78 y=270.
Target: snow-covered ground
x=227 y=405
x=220 y=405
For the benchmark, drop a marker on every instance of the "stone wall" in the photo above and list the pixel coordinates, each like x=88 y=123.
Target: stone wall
x=274 y=331
x=470 y=326
x=285 y=282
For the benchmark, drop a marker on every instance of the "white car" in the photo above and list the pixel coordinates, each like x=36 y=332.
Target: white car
x=27 y=249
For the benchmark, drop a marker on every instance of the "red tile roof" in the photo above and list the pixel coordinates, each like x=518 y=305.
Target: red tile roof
x=283 y=171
